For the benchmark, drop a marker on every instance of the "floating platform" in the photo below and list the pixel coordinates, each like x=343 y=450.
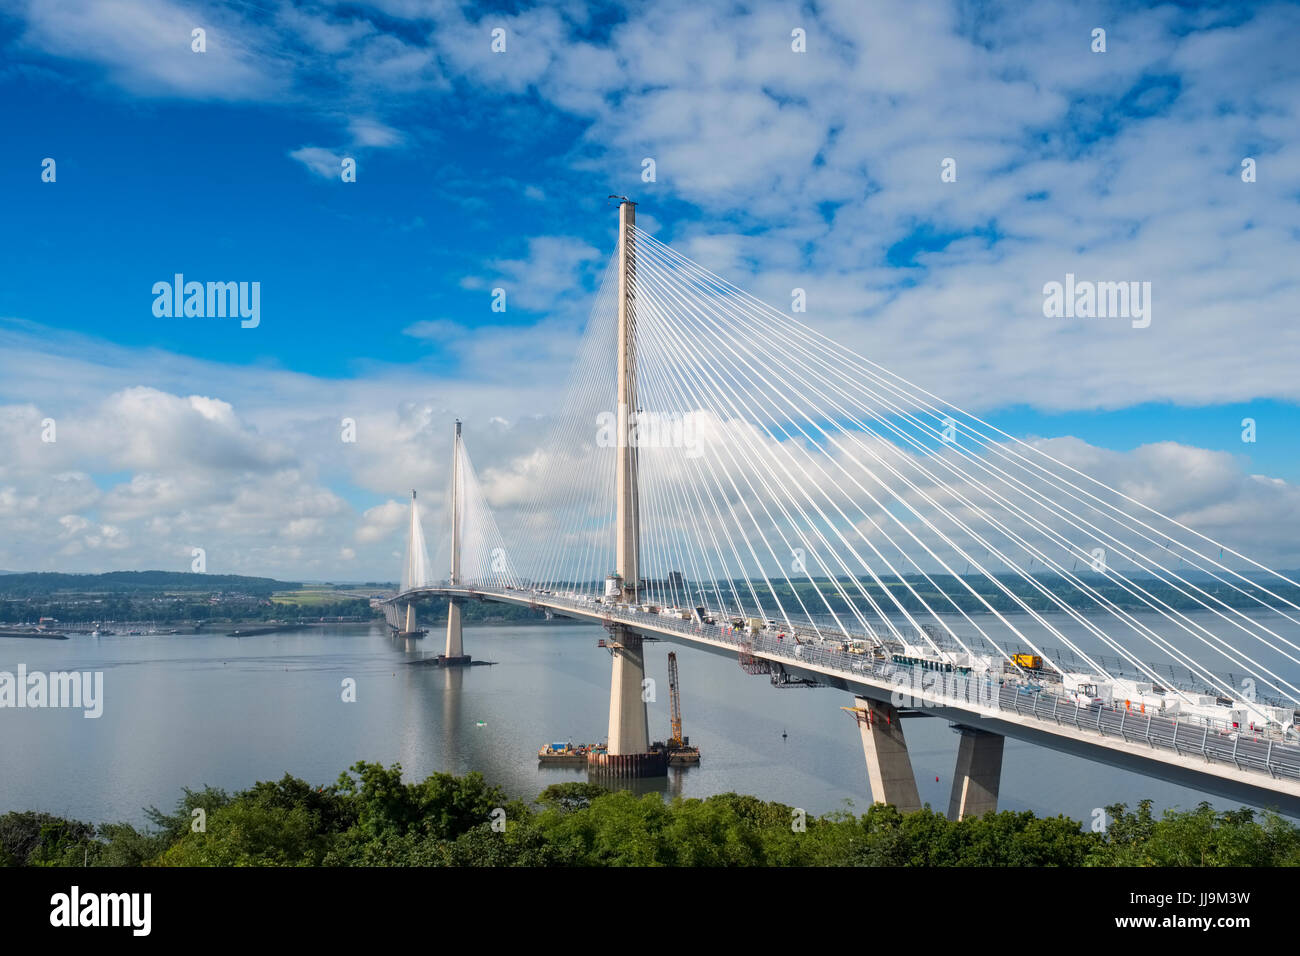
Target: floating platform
x=414 y=635
x=567 y=754
x=684 y=757
x=680 y=752
x=562 y=760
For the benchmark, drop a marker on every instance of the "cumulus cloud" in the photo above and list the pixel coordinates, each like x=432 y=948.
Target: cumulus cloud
x=140 y=475
x=552 y=269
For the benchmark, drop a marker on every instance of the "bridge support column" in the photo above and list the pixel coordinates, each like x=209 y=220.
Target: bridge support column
x=455 y=639
x=979 y=771
x=410 y=618
x=628 y=745
x=629 y=727
x=889 y=768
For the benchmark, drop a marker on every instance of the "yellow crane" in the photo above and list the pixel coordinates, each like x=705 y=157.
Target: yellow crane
x=674 y=700
x=680 y=752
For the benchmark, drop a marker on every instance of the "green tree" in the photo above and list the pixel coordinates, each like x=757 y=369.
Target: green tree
x=571 y=796
x=29 y=838
x=1197 y=837
x=247 y=834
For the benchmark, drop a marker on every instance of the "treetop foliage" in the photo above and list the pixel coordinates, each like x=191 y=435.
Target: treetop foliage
x=370 y=816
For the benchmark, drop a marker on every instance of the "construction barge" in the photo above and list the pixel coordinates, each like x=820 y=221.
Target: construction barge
x=679 y=754
x=567 y=754
x=674 y=752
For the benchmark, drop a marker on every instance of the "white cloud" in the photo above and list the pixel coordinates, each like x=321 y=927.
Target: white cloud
x=370 y=132
x=146 y=47
x=326 y=163
x=265 y=488
x=554 y=267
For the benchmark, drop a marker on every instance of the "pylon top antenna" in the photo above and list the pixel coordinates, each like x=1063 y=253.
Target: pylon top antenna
x=622 y=199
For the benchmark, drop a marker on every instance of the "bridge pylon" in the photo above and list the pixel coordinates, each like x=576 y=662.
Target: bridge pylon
x=454 y=653
x=414 y=574
x=628 y=742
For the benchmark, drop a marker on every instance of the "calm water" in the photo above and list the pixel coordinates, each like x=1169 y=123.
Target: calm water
x=194 y=710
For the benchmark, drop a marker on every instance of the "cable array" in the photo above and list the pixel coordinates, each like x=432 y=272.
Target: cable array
x=416 y=570
x=785 y=477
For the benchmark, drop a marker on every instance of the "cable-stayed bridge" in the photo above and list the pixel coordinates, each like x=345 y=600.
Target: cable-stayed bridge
x=722 y=476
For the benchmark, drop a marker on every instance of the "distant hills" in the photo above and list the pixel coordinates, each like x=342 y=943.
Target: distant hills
x=36 y=583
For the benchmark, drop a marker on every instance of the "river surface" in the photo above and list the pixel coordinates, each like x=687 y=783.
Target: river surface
x=188 y=710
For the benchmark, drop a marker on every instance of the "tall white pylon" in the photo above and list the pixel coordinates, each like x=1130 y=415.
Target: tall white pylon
x=455 y=639
x=629 y=731
x=416 y=572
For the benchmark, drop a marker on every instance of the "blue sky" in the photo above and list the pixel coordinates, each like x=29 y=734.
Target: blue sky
x=147 y=189
x=476 y=170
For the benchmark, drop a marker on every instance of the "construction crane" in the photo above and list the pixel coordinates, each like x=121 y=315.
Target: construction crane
x=680 y=751
x=675 y=703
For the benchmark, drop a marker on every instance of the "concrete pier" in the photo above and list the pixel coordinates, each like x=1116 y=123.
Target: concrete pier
x=455 y=637
x=889 y=768
x=629 y=727
x=628 y=766
x=979 y=771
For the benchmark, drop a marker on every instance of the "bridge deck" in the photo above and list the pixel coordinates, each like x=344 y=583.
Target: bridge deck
x=1239 y=766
